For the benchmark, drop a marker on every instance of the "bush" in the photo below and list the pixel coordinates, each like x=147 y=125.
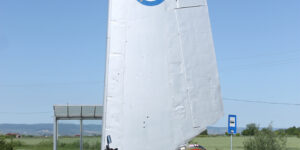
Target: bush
x=266 y=139
x=17 y=143
x=4 y=145
x=250 y=130
x=204 y=132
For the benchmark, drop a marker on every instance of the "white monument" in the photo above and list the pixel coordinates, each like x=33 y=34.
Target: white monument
x=162 y=85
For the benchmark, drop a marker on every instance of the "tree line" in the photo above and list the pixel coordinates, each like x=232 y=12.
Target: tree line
x=252 y=128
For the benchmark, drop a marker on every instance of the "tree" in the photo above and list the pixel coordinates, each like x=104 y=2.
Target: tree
x=293 y=131
x=250 y=130
x=266 y=139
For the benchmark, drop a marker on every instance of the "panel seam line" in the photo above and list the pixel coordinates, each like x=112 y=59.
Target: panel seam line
x=191 y=6
x=183 y=62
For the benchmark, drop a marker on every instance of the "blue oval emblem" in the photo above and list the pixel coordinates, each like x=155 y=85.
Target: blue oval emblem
x=150 y=3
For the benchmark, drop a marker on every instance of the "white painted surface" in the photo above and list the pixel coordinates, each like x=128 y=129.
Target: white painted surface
x=191 y=3
x=232 y=122
x=162 y=85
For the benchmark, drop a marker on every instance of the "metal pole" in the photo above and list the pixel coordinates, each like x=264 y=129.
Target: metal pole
x=55 y=134
x=81 y=130
x=231 y=142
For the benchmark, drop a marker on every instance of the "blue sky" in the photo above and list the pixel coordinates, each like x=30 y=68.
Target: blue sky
x=53 y=52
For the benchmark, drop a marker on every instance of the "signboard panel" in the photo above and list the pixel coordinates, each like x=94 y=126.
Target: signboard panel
x=232 y=125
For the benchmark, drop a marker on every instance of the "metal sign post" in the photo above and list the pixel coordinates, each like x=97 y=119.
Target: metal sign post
x=231 y=142
x=232 y=126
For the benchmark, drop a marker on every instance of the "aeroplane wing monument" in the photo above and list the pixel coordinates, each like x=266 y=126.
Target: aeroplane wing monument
x=162 y=85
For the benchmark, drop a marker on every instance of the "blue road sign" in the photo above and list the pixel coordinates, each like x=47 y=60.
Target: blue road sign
x=232 y=125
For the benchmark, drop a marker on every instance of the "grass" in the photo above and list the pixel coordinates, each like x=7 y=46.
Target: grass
x=223 y=142
x=92 y=143
x=64 y=143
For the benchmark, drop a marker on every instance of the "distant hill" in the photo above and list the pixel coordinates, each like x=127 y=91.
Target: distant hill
x=47 y=129
x=73 y=129
x=220 y=130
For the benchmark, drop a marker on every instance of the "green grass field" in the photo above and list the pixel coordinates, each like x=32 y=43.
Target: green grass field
x=64 y=143
x=92 y=143
x=223 y=143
